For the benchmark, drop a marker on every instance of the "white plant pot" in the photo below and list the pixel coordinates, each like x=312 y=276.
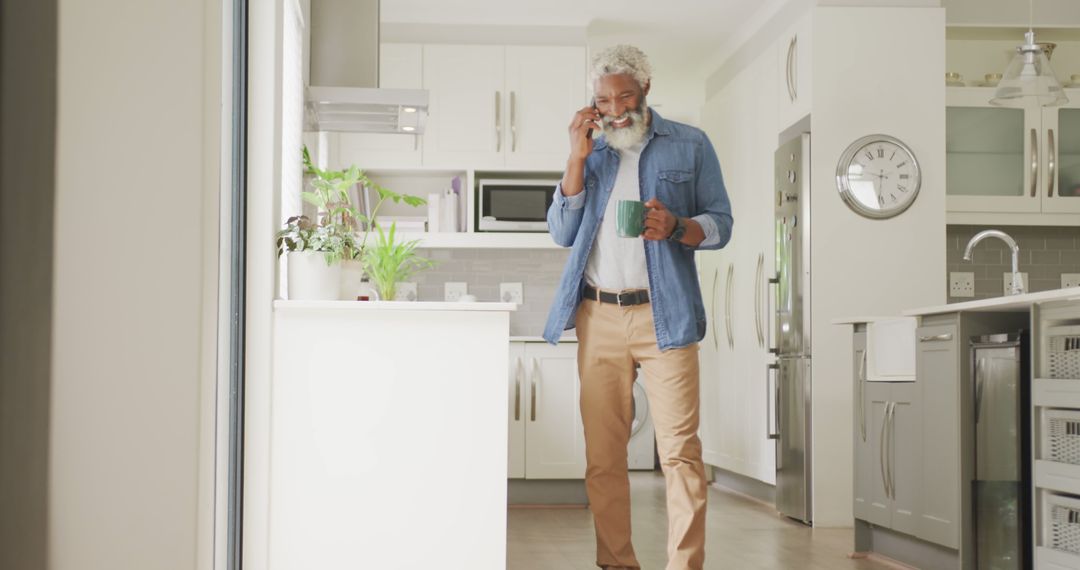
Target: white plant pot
x=311 y=279
x=352 y=279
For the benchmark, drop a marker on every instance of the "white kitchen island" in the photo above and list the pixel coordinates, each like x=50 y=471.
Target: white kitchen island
x=388 y=435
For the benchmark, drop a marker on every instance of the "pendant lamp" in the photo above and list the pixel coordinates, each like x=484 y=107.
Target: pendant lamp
x=1029 y=75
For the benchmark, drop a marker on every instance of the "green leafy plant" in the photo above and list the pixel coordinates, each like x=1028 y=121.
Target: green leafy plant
x=301 y=234
x=388 y=263
x=331 y=195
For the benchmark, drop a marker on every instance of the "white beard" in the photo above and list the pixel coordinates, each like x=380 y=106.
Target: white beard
x=630 y=136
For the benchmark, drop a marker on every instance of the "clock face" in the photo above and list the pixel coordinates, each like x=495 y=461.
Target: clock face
x=878 y=176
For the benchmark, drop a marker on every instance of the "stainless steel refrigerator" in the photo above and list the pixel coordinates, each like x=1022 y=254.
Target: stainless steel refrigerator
x=791 y=376
x=1001 y=504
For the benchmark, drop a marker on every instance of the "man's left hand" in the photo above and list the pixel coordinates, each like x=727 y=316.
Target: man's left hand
x=659 y=222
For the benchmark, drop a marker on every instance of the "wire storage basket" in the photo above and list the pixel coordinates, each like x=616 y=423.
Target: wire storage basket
x=1063 y=352
x=1060 y=436
x=1061 y=522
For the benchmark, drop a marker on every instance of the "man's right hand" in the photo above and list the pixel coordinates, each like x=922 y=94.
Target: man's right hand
x=581 y=142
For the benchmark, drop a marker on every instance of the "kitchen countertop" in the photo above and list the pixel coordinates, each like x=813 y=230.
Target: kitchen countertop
x=280 y=304
x=1008 y=303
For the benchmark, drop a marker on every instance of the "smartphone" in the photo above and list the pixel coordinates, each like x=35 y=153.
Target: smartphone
x=590 y=132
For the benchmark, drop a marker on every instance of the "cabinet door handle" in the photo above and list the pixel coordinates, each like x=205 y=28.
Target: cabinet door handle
x=1034 y=162
x=1051 y=150
x=772 y=399
x=862 y=395
x=978 y=388
x=517 y=389
x=727 y=304
x=936 y=337
x=715 y=282
x=793 y=92
x=759 y=274
x=513 y=122
x=498 y=121
x=532 y=400
x=890 y=459
x=774 y=315
x=881 y=447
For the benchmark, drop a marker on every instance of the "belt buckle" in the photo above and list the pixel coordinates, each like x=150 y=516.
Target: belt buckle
x=618 y=299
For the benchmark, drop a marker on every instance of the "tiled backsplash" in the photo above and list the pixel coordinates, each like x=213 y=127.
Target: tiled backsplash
x=538 y=270
x=1045 y=253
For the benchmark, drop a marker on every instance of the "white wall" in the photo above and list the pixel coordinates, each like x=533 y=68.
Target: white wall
x=890 y=84
x=135 y=266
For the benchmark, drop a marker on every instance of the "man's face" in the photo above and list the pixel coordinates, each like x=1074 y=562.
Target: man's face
x=623 y=110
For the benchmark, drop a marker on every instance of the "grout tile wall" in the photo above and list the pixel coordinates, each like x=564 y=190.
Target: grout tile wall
x=1045 y=253
x=538 y=270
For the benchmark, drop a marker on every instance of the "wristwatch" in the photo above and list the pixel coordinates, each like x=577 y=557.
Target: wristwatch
x=679 y=231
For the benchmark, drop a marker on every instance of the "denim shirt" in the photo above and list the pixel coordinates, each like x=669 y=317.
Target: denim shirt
x=678 y=166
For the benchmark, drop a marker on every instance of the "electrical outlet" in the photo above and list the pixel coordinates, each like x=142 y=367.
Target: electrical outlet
x=511 y=293
x=961 y=284
x=406 y=291
x=1006 y=282
x=1070 y=280
x=453 y=290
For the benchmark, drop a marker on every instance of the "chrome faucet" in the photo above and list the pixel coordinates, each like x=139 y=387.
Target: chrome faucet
x=1017 y=286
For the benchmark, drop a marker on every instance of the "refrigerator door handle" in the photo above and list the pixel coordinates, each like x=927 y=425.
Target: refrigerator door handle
x=772 y=396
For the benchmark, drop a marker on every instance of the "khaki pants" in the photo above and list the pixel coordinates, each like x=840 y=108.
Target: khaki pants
x=611 y=339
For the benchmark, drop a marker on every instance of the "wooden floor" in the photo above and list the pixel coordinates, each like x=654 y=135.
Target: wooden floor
x=743 y=534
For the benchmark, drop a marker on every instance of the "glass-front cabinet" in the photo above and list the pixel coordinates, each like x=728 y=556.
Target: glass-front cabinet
x=1022 y=160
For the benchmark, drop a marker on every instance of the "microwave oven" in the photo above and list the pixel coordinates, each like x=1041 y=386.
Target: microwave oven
x=514 y=205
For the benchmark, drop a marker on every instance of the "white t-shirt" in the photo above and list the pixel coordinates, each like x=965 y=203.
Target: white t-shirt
x=617 y=263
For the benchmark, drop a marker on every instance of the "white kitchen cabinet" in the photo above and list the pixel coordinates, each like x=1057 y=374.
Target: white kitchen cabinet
x=794 y=65
x=495 y=107
x=400 y=67
x=465 y=105
x=741 y=123
x=1022 y=160
x=515 y=465
x=547 y=438
x=545 y=86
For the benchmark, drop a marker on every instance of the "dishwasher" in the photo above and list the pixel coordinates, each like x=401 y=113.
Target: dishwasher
x=1001 y=488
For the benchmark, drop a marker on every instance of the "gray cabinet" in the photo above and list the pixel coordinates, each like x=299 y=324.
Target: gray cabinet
x=904 y=458
x=888 y=474
x=863 y=446
x=938 y=371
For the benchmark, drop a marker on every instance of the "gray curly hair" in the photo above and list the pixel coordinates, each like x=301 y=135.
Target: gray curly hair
x=621 y=59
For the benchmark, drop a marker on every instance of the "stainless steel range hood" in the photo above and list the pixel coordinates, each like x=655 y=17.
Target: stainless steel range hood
x=344 y=95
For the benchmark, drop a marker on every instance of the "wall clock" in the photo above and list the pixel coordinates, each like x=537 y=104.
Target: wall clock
x=878 y=176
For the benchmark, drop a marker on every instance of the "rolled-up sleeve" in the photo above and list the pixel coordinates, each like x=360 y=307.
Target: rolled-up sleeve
x=564 y=216
x=714 y=207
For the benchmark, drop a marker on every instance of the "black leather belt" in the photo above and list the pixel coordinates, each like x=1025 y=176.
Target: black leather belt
x=624 y=299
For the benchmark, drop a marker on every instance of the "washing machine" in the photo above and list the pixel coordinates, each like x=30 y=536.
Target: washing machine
x=640 y=450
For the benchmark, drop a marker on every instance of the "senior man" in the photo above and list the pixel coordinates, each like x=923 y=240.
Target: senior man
x=637 y=302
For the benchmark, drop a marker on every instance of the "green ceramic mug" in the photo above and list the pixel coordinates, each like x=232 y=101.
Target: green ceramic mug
x=630 y=218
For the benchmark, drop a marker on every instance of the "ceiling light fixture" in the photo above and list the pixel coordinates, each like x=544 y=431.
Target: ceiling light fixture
x=1029 y=74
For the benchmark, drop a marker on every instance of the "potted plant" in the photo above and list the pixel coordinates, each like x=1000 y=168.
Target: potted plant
x=388 y=263
x=332 y=238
